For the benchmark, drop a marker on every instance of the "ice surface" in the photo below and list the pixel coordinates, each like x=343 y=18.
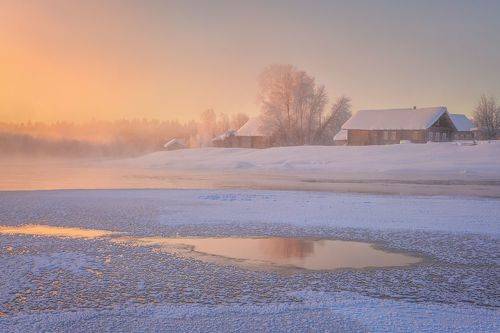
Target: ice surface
x=66 y=284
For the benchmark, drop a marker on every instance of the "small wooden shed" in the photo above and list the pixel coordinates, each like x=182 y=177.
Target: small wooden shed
x=250 y=135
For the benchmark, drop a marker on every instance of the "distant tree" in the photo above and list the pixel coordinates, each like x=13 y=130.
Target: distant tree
x=331 y=125
x=207 y=128
x=223 y=124
x=487 y=116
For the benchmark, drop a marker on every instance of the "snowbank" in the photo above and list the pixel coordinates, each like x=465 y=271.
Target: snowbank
x=438 y=159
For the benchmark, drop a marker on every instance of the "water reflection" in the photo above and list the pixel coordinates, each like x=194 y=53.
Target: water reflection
x=47 y=230
x=288 y=252
x=309 y=254
x=286 y=248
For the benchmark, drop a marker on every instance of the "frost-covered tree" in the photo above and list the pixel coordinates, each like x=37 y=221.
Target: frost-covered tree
x=487 y=116
x=223 y=124
x=207 y=128
x=291 y=104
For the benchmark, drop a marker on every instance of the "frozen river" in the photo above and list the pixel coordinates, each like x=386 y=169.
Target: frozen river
x=57 y=282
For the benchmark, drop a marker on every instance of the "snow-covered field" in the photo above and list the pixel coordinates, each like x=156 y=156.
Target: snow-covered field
x=447 y=160
x=58 y=284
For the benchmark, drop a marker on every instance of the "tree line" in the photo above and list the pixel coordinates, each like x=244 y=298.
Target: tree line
x=111 y=138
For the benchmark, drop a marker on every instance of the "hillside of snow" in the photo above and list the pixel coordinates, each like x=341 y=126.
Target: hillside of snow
x=435 y=159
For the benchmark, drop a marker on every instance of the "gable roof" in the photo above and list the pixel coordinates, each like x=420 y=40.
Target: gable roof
x=395 y=119
x=251 y=128
x=461 y=122
x=175 y=144
x=224 y=136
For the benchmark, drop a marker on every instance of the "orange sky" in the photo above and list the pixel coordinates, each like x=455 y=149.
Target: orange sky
x=78 y=60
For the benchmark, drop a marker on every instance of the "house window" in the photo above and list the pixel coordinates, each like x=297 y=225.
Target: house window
x=393 y=135
x=386 y=135
x=430 y=136
x=444 y=136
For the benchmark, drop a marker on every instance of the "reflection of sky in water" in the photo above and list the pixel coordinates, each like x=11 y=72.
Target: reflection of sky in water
x=288 y=252
x=302 y=253
x=47 y=230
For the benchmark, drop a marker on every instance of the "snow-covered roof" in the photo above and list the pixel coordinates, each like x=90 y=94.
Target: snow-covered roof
x=340 y=136
x=175 y=144
x=253 y=127
x=395 y=119
x=224 y=135
x=461 y=122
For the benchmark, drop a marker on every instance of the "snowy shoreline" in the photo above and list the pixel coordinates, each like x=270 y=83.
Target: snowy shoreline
x=434 y=169
x=444 y=160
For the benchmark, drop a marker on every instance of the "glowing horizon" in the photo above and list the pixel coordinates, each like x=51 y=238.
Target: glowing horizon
x=83 y=60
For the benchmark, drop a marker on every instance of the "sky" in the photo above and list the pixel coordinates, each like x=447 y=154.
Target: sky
x=69 y=60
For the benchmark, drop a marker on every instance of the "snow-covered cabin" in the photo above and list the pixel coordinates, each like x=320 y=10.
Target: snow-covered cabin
x=389 y=126
x=340 y=139
x=465 y=127
x=250 y=135
x=175 y=144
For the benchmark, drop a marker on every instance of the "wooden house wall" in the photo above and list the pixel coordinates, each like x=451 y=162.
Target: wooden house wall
x=442 y=130
x=243 y=142
x=463 y=135
x=381 y=137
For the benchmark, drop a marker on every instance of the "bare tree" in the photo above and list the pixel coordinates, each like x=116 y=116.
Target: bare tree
x=487 y=116
x=238 y=120
x=317 y=106
x=331 y=125
x=291 y=104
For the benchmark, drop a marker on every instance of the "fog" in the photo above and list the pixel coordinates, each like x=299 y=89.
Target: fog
x=110 y=139
x=92 y=139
